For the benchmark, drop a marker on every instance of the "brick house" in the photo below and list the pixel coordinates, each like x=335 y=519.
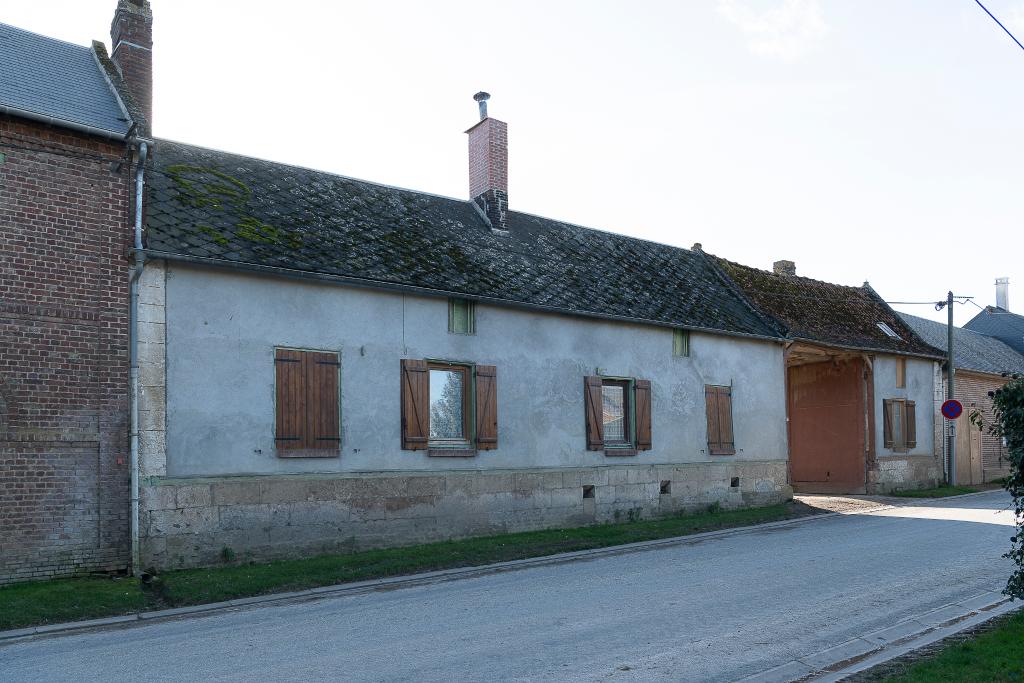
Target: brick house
x=68 y=129
x=861 y=385
x=981 y=362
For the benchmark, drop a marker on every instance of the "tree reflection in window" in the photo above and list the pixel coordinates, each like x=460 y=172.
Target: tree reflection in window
x=447 y=404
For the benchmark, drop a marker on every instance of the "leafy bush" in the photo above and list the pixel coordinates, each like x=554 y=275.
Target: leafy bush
x=1008 y=405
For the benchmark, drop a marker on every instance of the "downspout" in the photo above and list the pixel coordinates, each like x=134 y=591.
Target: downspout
x=133 y=355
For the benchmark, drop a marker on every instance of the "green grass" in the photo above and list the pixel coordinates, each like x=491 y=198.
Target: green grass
x=991 y=657
x=84 y=598
x=45 y=602
x=937 y=492
x=194 y=586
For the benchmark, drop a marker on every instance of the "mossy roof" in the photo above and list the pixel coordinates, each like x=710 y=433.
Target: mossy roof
x=236 y=210
x=817 y=311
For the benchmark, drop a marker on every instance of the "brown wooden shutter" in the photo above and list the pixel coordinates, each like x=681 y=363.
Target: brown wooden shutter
x=593 y=405
x=323 y=428
x=718 y=402
x=486 y=407
x=643 y=414
x=415 y=404
x=290 y=399
x=910 y=430
x=711 y=405
x=725 y=434
x=887 y=440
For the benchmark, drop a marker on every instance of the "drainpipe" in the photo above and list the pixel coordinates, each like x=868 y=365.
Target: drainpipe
x=133 y=355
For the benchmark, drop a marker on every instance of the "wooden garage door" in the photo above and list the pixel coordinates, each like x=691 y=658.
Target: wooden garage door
x=827 y=426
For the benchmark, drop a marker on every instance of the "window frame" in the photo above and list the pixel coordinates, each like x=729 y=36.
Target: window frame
x=468 y=442
x=680 y=343
x=470 y=315
x=628 y=413
x=901 y=373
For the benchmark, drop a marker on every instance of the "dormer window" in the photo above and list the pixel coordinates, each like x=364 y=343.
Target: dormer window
x=888 y=330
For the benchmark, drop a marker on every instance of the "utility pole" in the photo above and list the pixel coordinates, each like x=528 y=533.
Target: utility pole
x=950 y=384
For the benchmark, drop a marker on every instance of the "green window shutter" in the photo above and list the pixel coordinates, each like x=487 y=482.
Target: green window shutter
x=461 y=316
x=680 y=343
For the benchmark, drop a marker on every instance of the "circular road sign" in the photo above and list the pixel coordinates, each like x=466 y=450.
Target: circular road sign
x=951 y=409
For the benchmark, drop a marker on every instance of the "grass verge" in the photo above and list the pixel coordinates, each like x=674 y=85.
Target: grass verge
x=993 y=655
x=937 y=492
x=42 y=602
x=46 y=602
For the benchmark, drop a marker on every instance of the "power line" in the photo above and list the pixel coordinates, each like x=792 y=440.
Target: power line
x=1000 y=24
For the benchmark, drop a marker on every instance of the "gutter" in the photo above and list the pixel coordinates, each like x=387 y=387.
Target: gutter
x=133 y=355
x=50 y=120
x=427 y=291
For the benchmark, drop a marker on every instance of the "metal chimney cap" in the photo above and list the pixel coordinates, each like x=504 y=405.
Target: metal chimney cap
x=482 y=96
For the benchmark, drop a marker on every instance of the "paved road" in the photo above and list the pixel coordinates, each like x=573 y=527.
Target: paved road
x=717 y=609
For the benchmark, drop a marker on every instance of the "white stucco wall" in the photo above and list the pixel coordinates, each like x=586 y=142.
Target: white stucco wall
x=222 y=328
x=919 y=388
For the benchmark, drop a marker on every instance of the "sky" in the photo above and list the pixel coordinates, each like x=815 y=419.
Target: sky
x=866 y=140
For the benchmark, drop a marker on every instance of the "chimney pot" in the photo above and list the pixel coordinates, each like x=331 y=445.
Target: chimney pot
x=784 y=268
x=481 y=100
x=1003 y=293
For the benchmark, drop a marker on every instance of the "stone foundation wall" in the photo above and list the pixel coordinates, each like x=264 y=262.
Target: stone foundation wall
x=906 y=472
x=196 y=521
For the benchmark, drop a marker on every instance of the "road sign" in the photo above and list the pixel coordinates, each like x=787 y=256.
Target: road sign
x=952 y=409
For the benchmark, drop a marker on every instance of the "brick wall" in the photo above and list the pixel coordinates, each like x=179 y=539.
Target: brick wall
x=64 y=226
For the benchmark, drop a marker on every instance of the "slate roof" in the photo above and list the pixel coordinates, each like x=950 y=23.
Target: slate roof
x=242 y=211
x=1005 y=326
x=822 y=312
x=56 y=80
x=971 y=350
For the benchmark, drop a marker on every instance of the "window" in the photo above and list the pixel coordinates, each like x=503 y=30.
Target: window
x=615 y=413
x=307 y=420
x=899 y=424
x=449 y=408
x=680 y=343
x=449 y=411
x=718 y=401
x=461 y=316
x=618 y=414
x=901 y=373
x=888 y=330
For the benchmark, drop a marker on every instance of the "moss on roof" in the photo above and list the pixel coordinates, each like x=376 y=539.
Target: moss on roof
x=245 y=211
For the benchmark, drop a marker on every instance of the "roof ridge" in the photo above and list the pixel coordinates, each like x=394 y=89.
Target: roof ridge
x=44 y=36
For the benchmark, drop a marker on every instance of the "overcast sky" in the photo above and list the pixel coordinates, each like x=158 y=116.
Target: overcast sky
x=874 y=140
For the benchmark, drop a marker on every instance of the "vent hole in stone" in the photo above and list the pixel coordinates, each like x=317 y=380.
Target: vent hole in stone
x=588 y=491
x=735 y=483
x=666 y=487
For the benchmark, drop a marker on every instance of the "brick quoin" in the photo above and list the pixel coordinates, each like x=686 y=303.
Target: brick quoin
x=65 y=225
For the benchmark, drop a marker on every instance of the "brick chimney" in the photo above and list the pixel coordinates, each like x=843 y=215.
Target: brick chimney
x=784 y=268
x=488 y=165
x=131 y=39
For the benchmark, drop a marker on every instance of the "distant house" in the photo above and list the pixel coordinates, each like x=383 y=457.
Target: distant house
x=69 y=133
x=997 y=321
x=860 y=383
x=981 y=362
